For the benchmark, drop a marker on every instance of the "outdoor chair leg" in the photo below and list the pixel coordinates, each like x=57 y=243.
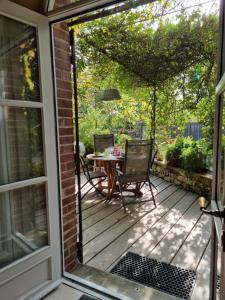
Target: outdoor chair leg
x=121 y=197
x=153 y=185
x=96 y=189
x=153 y=198
x=113 y=182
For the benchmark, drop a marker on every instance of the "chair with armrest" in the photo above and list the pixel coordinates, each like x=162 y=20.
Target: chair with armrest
x=136 y=168
x=90 y=178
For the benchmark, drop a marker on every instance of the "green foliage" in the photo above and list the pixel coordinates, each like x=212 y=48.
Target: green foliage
x=174 y=151
x=192 y=159
x=122 y=138
x=187 y=154
x=94 y=123
x=172 y=50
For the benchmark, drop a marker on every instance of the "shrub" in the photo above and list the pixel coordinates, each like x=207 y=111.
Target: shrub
x=121 y=139
x=187 y=154
x=192 y=159
x=174 y=151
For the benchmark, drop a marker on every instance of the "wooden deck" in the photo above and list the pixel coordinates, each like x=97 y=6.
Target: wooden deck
x=175 y=232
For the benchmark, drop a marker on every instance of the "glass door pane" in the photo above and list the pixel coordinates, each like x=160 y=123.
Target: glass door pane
x=23 y=222
x=23 y=211
x=19 y=74
x=21 y=145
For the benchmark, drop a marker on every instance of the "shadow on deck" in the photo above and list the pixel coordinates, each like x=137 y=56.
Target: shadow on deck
x=175 y=231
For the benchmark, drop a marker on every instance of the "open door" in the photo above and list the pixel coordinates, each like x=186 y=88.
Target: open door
x=217 y=277
x=29 y=207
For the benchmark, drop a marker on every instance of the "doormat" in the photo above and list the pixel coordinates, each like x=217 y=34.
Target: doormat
x=86 y=297
x=159 y=275
x=218 y=282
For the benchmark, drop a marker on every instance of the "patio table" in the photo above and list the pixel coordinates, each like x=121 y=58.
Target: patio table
x=109 y=163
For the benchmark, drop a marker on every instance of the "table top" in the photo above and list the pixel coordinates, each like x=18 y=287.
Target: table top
x=104 y=157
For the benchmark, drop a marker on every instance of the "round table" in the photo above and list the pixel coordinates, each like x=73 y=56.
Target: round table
x=108 y=162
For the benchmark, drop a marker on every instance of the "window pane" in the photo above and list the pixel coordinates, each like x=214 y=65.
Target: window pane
x=21 y=147
x=23 y=222
x=19 y=77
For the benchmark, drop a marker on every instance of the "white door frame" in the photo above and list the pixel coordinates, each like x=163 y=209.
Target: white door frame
x=40 y=270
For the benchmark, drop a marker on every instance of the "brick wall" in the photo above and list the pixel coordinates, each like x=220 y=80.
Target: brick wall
x=65 y=125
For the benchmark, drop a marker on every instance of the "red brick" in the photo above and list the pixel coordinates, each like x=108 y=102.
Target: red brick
x=68 y=226
x=69 y=191
x=68 y=183
x=66 y=149
x=65 y=94
x=58 y=73
x=64 y=112
x=65 y=125
x=65 y=121
x=63 y=84
x=69 y=234
x=62 y=64
x=67 y=157
x=70 y=262
x=65 y=131
x=68 y=200
x=61 y=34
x=65 y=140
x=67 y=174
x=58 y=43
x=66 y=253
x=64 y=103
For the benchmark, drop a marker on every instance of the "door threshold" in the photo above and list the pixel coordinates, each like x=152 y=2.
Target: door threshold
x=109 y=286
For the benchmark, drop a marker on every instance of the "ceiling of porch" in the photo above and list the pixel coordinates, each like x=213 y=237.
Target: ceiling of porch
x=36 y=5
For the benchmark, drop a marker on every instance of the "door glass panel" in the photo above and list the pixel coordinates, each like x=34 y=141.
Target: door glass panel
x=21 y=146
x=19 y=76
x=23 y=222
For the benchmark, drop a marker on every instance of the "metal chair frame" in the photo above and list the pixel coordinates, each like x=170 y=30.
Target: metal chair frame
x=153 y=153
x=109 y=137
x=120 y=176
x=90 y=176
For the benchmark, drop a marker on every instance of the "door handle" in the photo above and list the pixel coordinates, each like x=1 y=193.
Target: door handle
x=203 y=203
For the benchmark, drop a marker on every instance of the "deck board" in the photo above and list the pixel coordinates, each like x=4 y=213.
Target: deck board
x=95 y=246
x=102 y=210
x=172 y=242
x=175 y=232
x=191 y=251
x=114 y=217
x=153 y=237
x=106 y=257
x=201 y=288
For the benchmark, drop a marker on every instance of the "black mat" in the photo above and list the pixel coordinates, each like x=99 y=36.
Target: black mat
x=218 y=282
x=86 y=297
x=153 y=273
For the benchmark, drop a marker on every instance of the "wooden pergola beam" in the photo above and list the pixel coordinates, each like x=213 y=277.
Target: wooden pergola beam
x=129 y=4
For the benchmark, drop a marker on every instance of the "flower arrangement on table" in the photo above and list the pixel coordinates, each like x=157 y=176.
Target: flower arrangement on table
x=114 y=151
